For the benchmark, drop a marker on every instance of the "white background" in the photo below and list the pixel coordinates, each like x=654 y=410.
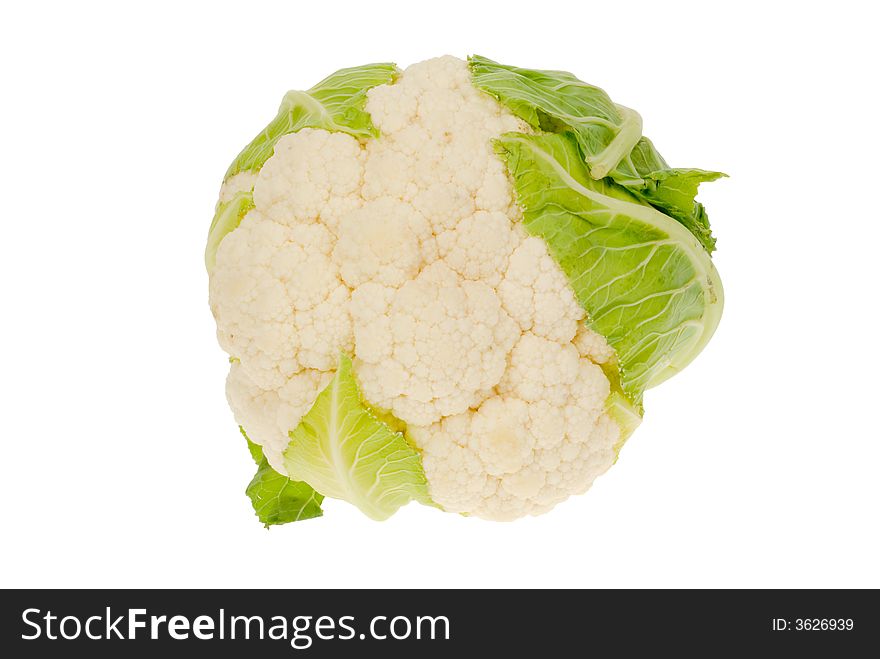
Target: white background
x=121 y=464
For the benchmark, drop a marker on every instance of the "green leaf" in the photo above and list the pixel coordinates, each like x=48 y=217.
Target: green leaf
x=673 y=191
x=343 y=450
x=335 y=104
x=276 y=498
x=646 y=283
x=608 y=135
x=255 y=450
x=227 y=217
x=556 y=101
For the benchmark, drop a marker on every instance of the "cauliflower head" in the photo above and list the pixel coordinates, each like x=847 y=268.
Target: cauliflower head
x=451 y=284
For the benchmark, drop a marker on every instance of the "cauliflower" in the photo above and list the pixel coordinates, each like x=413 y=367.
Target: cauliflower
x=451 y=284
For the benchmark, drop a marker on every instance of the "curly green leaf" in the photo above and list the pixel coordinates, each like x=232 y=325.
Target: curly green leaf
x=343 y=450
x=646 y=283
x=335 y=104
x=276 y=498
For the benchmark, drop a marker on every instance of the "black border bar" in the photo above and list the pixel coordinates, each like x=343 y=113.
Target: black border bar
x=518 y=623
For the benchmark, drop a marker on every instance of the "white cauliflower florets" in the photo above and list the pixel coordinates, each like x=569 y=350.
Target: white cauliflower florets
x=447 y=339
x=385 y=241
x=278 y=299
x=537 y=294
x=406 y=251
x=270 y=414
